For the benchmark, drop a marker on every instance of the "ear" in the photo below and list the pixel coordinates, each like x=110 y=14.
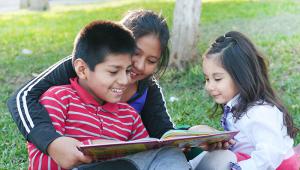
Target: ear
x=81 y=68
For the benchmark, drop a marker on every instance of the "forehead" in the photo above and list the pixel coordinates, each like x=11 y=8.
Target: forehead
x=212 y=65
x=117 y=60
x=149 y=44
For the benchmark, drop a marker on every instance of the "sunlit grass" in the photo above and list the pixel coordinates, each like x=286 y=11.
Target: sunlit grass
x=274 y=27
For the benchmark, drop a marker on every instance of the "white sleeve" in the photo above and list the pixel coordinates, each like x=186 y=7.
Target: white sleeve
x=263 y=125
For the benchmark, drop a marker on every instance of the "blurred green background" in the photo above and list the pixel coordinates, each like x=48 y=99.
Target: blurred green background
x=272 y=25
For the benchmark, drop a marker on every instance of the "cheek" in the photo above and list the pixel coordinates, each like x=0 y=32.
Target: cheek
x=233 y=91
x=135 y=59
x=150 y=68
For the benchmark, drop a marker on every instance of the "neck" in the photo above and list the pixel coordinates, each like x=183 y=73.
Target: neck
x=82 y=83
x=129 y=92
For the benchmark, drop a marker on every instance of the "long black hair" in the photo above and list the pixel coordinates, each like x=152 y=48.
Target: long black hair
x=146 y=22
x=248 y=69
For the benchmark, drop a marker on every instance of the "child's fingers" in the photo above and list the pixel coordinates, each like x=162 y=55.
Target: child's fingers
x=226 y=145
x=84 y=158
x=81 y=157
x=231 y=142
x=204 y=147
x=186 y=149
x=219 y=145
x=212 y=147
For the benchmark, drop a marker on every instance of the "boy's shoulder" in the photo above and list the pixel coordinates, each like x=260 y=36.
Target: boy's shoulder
x=59 y=91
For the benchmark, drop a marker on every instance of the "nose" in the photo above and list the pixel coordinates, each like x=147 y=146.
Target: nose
x=209 y=86
x=123 y=79
x=138 y=63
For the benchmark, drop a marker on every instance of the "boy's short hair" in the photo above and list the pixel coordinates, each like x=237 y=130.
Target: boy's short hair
x=101 y=38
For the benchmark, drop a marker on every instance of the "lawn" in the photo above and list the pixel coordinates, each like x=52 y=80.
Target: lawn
x=273 y=26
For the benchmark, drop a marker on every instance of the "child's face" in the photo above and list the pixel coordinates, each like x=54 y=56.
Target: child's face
x=110 y=78
x=146 y=58
x=219 y=83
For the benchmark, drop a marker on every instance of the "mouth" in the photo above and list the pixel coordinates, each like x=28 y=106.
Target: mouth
x=118 y=91
x=215 y=95
x=134 y=75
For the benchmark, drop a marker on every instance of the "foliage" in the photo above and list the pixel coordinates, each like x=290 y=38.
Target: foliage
x=49 y=35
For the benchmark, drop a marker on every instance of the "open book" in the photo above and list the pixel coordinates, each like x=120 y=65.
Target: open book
x=177 y=138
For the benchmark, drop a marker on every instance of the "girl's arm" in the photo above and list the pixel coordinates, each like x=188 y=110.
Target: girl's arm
x=30 y=116
x=264 y=129
x=154 y=114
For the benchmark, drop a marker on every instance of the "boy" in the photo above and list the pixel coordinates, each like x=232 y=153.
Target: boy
x=87 y=110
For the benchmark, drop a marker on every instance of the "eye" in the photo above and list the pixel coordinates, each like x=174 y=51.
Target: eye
x=128 y=70
x=206 y=80
x=113 y=72
x=218 y=79
x=137 y=53
x=152 y=61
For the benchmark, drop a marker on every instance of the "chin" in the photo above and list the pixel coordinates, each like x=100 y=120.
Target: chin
x=218 y=101
x=114 y=100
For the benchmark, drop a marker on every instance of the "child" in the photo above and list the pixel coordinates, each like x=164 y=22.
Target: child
x=236 y=78
x=87 y=110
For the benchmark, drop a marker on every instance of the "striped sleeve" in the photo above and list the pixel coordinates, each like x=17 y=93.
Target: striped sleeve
x=139 y=130
x=39 y=160
x=56 y=107
x=57 y=112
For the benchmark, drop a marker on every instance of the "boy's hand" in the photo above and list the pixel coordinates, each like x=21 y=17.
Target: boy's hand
x=65 y=153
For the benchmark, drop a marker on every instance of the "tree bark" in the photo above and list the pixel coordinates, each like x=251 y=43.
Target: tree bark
x=37 y=5
x=24 y=4
x=185 y=33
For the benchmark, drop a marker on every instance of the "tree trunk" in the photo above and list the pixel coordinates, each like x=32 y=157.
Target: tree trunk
x=24 y=4
x=37 y=5
x=185 y=33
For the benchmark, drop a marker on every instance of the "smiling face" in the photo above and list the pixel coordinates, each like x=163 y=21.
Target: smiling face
x=218 y=82
x=109 y=79
x=146 y=58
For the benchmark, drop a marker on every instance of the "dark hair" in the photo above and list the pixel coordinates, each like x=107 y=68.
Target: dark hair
x=247 y=67
x=146 y=22
x=101 y=38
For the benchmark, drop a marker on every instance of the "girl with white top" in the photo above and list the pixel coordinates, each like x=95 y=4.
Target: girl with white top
x=237 y=80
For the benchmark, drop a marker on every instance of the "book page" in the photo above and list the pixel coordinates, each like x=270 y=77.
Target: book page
x=143 y=140
x=196 y=141
x=180 y=133
x=181 y=139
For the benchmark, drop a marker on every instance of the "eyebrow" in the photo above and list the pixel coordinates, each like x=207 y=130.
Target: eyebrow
x=118 y=67
x=218 y=74
x=156 y=57
x=153 y=57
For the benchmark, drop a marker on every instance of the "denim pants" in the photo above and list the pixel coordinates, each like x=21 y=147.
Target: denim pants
x=157 y=159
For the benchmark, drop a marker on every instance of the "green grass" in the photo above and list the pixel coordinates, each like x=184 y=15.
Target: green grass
x=273 y=26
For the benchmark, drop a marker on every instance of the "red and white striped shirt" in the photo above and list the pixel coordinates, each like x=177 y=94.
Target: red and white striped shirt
x=75 y=113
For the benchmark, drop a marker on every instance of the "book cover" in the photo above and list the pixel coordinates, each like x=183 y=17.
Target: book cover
x=176 y=138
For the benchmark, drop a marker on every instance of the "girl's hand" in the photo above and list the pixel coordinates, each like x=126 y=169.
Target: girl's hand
x=218 y=145
x=64 y=152
x=214 y=146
